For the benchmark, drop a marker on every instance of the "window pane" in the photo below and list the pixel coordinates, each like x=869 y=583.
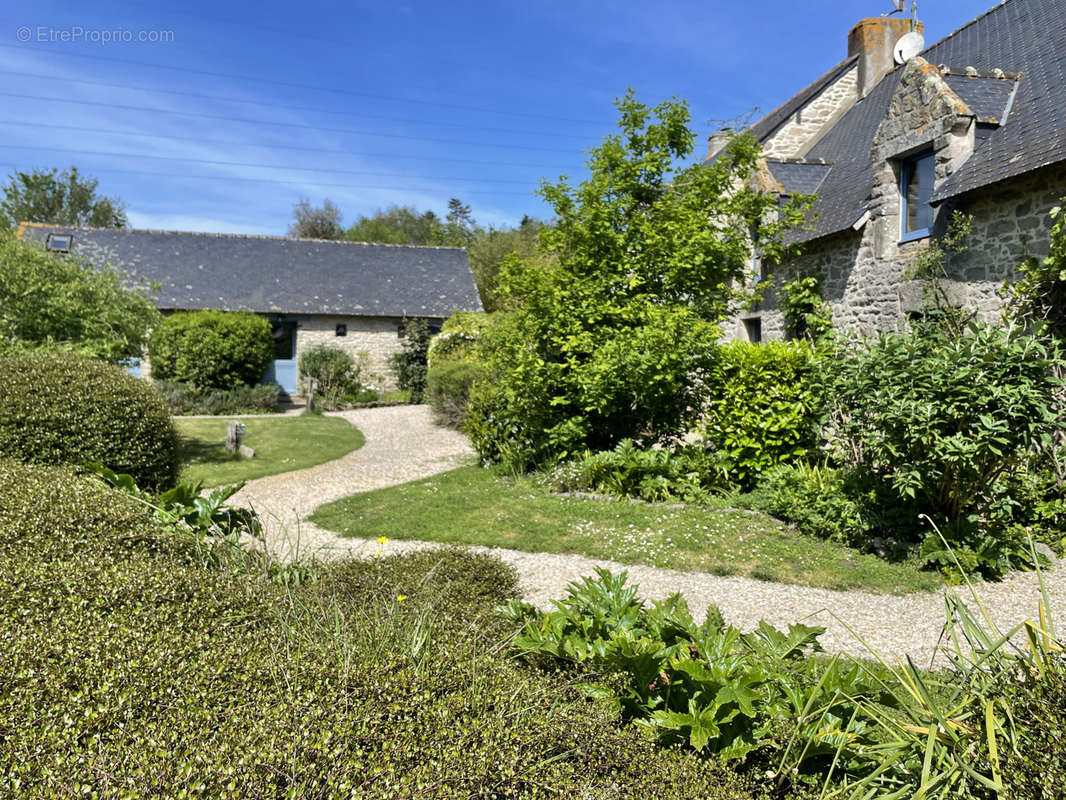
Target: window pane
x=918 y=185
x=284 y=342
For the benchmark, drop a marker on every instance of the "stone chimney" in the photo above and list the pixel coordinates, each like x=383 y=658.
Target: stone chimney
x=873 y=40
x=717 y=141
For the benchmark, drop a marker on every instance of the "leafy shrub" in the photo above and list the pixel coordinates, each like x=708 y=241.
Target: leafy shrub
x=156 y=675
x=53 y=301
x=763 y=407
x=816 y=499
x=185 y=398
x=409 y=365
x=211 y=349
x=448 y=386
x=455 y=364
x=335 y=374
x=943 y=424
x=807 y=315
x=63 y=409
x=687 y=474
x=1035 y=767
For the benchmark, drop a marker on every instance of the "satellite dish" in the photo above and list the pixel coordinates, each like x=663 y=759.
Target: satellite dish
x=909 y=45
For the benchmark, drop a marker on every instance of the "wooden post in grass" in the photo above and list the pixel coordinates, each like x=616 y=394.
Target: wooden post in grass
x=234 y=435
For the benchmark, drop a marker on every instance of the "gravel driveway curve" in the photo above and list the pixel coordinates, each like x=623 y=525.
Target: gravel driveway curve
x=403 y=444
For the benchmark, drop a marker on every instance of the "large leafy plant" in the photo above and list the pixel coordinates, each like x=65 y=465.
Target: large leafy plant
x=943 y=423
x=212 y=349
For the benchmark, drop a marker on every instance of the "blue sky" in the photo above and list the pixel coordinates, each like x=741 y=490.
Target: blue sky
x=251 y=107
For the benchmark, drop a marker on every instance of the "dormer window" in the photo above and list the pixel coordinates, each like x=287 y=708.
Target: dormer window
x=58 y=242
x=916 y=176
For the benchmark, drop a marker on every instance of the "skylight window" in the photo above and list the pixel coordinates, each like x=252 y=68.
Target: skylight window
x=58 y=242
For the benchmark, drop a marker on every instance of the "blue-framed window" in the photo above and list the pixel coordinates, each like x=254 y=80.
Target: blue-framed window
x=916 y=175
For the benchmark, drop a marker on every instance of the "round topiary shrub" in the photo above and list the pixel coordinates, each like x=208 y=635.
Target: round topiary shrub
x=63 y=409
x=211 y=349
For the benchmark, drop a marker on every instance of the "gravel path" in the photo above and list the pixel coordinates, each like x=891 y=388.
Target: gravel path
x=402 y=444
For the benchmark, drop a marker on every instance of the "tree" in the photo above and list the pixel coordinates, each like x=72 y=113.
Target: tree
x=58 y=198
x=490 y=249
x=57 y=302
x=615 y=339
x=311 y=222
x=398 y=225
x=461 y=227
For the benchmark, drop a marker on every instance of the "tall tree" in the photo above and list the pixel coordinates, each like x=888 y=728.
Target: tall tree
x=58 y=198
x=461 y=228
x=316 y=222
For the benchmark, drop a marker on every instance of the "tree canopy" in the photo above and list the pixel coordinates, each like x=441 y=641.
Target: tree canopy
x=316 y=222
x=613 y=337
x=58 y=198
x=57 y=302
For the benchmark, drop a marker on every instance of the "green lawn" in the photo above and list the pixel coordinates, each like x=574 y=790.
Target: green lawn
x=472 y=505
x=281 y=444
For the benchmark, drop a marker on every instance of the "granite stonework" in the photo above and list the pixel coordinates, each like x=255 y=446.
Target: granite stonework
x=794 y=137
x=373 y=339
x=863 y=269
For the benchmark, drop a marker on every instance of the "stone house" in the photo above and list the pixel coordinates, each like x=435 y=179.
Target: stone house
x=348 y=294
x=894 y=143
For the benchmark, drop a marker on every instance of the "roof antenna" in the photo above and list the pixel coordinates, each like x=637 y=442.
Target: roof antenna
x=900 y=5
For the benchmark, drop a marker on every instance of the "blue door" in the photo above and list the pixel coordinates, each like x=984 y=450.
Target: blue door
x=282 y=370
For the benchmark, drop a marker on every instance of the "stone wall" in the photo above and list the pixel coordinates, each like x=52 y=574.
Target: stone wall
x=376 y=338
x=806 y=126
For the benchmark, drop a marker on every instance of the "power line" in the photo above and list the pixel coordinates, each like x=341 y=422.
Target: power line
x=294 y=85
x=279 y=124
x=280 y=105
x=249 y=165
x=227 y=178
x=300 y=148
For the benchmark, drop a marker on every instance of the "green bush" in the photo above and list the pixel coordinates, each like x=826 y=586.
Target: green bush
x=1035 y=768
x=63 y=409
x=184 y=398
x=53 y=301
x=409 y=365
x=944 y=425
x=448 y=386
x=335 y=373
x=211 y=349
x=455 y=365
x=763 y=407
x=688 y=474
x=136 y=672
x=816 y=499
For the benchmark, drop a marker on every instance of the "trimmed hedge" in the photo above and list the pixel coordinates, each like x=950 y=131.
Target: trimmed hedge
x=135 y=673
x=454 y=366
x=211 y=349
x=764 y=409
x=64 y=409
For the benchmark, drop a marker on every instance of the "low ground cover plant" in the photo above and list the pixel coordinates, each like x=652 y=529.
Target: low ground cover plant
x=187 y=399
x=134 y=668
x=60 y=408
x=211 y=349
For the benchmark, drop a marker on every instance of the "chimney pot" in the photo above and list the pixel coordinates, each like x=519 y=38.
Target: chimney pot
x=717 y=141
x=873 y=40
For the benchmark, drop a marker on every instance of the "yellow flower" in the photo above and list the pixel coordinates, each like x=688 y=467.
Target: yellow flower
x=382 y=539
x=400 y=598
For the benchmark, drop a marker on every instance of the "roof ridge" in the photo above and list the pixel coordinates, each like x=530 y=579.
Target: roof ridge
x=46 y=225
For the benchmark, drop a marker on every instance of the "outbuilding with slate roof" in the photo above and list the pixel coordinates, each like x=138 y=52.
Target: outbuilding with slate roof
x=348 y=294
x=974 y=123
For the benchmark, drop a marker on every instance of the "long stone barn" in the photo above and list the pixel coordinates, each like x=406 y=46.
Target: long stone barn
x=350 y=295
x=897 y=137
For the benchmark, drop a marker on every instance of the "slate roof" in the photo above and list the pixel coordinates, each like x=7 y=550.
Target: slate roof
x=1026 y=37
x=798 y=177
x=276 y=275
